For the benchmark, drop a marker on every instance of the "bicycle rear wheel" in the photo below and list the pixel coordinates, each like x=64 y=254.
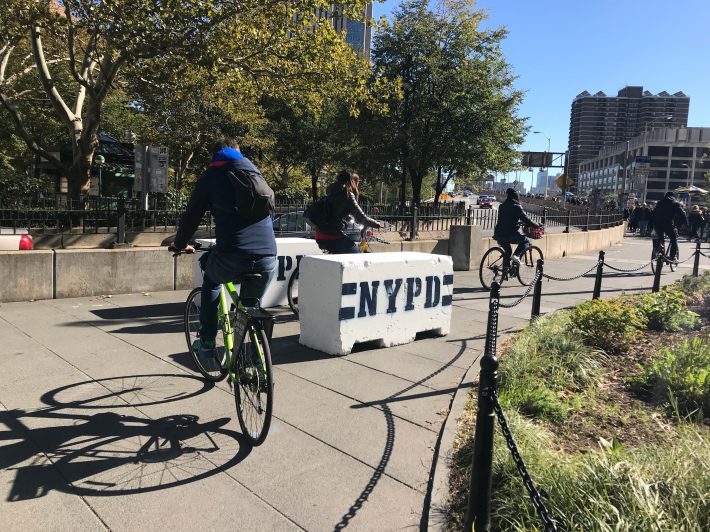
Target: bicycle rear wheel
x=254 y=389
x=292 y=292
x=192 y=333
x=528 y=265
x=491 y=268
x=672 y=261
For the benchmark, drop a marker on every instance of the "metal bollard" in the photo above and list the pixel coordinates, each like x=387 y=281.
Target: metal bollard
x=569 y=219
x=586 y=226
x=537 y=292
x=657 y=278
x=544 y=216
x=696 y=262
x=121 y=225
x=415 y=221
x=469 y=213
x=598 y=278
x=479 y=497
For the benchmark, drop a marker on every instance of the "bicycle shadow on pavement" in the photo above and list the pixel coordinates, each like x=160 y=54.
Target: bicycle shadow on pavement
x=67 y=447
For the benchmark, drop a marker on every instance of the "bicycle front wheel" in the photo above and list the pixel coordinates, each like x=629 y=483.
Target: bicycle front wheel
x=528 y=265
x=491 y=268
x=672 y=261
x=192 y=333
x=254 y=389
x=292 y=292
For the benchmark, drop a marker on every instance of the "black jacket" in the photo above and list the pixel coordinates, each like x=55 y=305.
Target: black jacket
x=214 y=191
x=343 y=205
x=668 y=214
x=509 y=214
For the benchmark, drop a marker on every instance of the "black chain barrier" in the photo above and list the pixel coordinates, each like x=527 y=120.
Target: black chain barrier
x=629 y=270
x=553 y=278
x=479 y=501
x=526 y=294
x=540 y=507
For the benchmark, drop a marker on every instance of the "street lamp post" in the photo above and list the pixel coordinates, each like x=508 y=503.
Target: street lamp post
x=99 y=160
x=687 y=176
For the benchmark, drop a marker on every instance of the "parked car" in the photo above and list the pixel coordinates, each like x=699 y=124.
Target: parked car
x=486 y=203
x=291 y=222
x=11 y=240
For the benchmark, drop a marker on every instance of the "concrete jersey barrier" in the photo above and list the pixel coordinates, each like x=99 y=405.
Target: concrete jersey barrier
x=289 y=252
x=383 y=297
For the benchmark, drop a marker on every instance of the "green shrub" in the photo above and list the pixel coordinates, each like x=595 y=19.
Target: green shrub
x=684 y=372
x=609 y=325
x=667 y=310
x=689 y=284
x=543 y=360
x=660 y=487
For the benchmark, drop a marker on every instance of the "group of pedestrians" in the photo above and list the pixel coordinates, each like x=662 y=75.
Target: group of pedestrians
x=696 y=219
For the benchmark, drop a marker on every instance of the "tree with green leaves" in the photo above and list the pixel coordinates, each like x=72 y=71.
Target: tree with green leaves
x=458 y=110
x=81 y=50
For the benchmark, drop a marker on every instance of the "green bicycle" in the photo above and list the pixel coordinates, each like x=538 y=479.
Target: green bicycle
x=244 y=355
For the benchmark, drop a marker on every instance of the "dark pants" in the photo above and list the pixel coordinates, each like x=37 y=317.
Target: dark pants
x=339 y=246
x=228 y=267
x=660 y=240
x=505 y=242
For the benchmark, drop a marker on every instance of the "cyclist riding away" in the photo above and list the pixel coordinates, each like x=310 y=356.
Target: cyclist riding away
x=342 y=199
x=245 y=245
x=510 y=216
x=663 y=220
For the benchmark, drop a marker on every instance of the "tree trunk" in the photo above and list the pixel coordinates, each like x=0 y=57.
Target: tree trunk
x=437 y=188
x=403 y=191
x=416 y=178
x=314 y=185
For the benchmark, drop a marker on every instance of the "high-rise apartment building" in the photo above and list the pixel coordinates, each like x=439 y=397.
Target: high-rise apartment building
x=358 y=33
x=598 y=121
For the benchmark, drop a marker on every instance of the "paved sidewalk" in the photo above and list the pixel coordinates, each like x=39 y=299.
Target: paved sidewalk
x=104 y=425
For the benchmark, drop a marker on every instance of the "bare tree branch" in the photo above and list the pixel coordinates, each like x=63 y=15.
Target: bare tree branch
x=46 y=78
x=27 y=136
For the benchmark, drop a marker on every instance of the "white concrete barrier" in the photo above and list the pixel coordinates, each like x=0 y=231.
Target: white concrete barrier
x=289 y=251
x=386 y=297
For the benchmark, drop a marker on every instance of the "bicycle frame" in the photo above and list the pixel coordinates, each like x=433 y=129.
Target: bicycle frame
x=229 y=330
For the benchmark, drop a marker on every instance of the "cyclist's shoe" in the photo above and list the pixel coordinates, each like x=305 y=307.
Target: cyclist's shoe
x=206 y=352
x=515 y=260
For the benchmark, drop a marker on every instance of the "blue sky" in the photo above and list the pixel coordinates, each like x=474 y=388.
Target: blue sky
x=558 y=48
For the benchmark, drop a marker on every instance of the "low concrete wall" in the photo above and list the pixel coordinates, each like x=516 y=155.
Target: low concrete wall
x=38 y=274
x=26 y=275
x=89 y=272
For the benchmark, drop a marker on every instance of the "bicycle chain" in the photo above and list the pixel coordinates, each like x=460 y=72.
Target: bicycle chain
x=540 y=508
x=526 y=294
x=553 y=278
x=624 y=270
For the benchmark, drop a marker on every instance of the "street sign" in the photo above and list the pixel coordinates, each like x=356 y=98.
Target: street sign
x=560 y=181
x=570 y=181
x=151 y=169
x=536 y=159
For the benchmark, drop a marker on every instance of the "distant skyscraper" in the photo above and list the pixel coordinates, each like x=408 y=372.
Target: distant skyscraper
x=598 y=121
x=541 y=182
x=358 y=32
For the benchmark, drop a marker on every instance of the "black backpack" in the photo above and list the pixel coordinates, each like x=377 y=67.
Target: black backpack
x=318 y=213
x=253 y=197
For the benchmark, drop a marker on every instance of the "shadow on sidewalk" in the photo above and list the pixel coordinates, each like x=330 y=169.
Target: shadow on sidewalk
x=107 y=453
x=379 y=470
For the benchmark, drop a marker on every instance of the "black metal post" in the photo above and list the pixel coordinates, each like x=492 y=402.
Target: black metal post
x=696 y=262
x=537 y=292
x=657 y=277
x=415 y=222
x=598 y=278
x=569 y=216
x=544 y=216
x=469 y=213
x=586 y=227
x=121 y=237
x=479 y=498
